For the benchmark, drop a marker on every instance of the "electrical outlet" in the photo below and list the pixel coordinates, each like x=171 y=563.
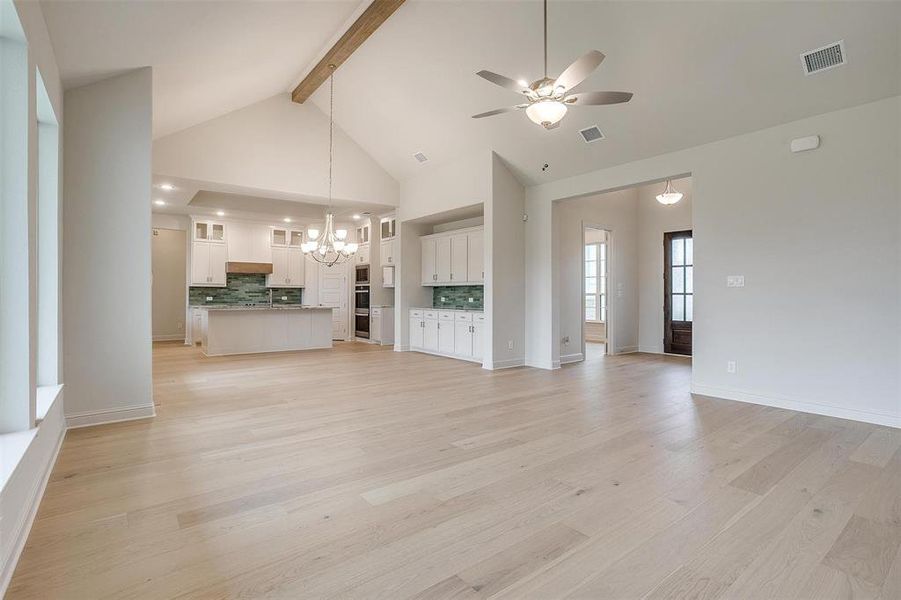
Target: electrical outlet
x=735 y=281
x=509 y=344
x=209 y=298
x=179 y=326
x=472 y=299
x=730 y=366
x=284 y=298
x=443 y=299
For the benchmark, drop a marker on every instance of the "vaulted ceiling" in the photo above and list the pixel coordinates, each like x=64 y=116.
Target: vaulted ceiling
x=700 y=71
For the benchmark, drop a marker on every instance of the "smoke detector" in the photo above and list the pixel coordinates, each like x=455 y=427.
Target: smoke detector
x=825 y=58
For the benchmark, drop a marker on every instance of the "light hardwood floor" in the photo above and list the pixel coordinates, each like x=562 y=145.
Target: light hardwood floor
x=364 y=473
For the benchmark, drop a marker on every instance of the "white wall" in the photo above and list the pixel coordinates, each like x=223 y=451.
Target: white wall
x=504 y=240
x=447 y=186
x=106 y=245
x=816 y=235
x=655 y=219
x=278 y=146
x=616 y=212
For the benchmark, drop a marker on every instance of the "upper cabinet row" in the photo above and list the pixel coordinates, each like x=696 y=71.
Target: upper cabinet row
x=454 y=258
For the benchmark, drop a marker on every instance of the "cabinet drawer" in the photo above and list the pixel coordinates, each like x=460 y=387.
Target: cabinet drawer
x=479 y=317
x=445 y=315
x=464 y=317
x=417 y=313
x=430 y=314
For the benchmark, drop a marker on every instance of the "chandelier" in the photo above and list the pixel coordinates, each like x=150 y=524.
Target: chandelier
x=328 y=246
x=669 y=195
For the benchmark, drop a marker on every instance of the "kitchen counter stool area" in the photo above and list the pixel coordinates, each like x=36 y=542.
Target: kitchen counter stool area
x=452 y=333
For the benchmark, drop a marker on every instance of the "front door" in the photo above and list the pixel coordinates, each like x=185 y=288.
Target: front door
x=333 y=292
x=678 y=291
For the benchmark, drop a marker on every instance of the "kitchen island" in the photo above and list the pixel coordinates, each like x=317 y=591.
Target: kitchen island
x=248 y=330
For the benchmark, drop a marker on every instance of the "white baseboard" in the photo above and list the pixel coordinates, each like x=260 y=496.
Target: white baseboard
x=23 y=528
x=571 y=358
x=540 y=364
x=826 y=410
x=86 y=419
x=626 y=350
x=169 y=338
x=505 y=364
x=400 y=348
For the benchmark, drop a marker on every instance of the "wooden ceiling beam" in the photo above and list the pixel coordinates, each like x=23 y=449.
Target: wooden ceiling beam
x=365 y=25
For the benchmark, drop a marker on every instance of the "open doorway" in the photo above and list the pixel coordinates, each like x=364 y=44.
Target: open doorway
x=595 y=281
x=678 y=292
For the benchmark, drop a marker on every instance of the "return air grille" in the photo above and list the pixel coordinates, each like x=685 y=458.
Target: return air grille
x=420 y=157
x=824 y=58
x=591 y=134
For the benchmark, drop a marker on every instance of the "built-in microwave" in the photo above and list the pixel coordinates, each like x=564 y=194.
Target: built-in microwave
x=361 y=274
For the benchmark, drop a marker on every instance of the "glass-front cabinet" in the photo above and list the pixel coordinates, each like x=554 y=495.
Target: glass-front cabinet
x=209 y=231
x=388 y=227
x=283 y=237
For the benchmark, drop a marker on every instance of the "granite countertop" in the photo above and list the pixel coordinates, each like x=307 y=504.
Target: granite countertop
x=237 y=307
x=461 y=308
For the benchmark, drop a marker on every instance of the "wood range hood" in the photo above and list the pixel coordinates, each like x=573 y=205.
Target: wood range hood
x=249 y=268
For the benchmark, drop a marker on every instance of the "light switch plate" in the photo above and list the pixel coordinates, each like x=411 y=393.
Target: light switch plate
x=735 y=281
x=730 y=366
x=209 y=298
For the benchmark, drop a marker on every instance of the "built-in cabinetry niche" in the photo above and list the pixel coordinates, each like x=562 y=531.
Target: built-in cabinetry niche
x=453 y=333
x=454 y=257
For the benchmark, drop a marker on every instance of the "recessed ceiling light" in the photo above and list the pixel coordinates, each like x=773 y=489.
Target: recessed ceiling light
x=287 y=220
x=167 y=186
x=356 y=217
x=220 y=213
x=160 y=202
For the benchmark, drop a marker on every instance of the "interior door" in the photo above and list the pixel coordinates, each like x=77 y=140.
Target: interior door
x=678 y=291
x=333 y=293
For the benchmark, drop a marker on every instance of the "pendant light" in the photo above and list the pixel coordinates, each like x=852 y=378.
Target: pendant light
x=669 y=195
x=328 y=246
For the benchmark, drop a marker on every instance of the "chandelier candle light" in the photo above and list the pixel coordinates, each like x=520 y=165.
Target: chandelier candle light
x=329 y=246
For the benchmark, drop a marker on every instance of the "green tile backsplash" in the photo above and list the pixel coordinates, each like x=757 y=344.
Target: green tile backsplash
x=242 y=289
x=458 y=296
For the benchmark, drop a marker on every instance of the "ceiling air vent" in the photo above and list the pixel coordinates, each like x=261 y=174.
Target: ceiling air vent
x=420 y=157
x=824 y=58
x=592 y=134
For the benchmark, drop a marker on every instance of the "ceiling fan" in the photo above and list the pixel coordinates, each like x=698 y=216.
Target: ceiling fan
x=548 y=99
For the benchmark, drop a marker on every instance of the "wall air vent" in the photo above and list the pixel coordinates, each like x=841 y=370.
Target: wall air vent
x=592 y=134
x=824 y=58
x=420 y=157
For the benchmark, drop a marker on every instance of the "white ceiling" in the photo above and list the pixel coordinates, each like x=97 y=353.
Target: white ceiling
x=208 y=57
x=700 y=71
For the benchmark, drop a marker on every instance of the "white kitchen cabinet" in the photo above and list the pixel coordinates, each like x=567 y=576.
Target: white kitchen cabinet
x=388 y=277
x=381 y=325
x=288 y=268
x=208 y=264
x=453 y=258
x=446 y=332
x=388 y=228
x=443 y=259
x=459 y=257
x=387 y=253
x=417 y=328
x=478 y=336
x=429 y=264
x=284 y=236
x=476 y=257
x=209 y=231
x=430 y=331
x=248 y=242
x=454 y=333
x=362 y=255
x=363 y=233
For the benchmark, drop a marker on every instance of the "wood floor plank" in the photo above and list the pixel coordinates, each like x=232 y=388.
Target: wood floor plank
x=423 y=477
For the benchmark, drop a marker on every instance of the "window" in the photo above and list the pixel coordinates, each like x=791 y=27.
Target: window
x=682 y=279
x=596 y=282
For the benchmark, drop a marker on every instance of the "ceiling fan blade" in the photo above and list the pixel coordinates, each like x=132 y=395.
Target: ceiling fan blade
x=579 y=70
x=496 y=111
x=504 y=82
x=598 y=98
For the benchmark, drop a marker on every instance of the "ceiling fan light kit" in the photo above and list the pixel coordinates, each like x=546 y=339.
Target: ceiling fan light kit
x=548 y=98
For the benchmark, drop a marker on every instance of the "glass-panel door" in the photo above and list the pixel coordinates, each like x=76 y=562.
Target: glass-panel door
x=678 y=301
